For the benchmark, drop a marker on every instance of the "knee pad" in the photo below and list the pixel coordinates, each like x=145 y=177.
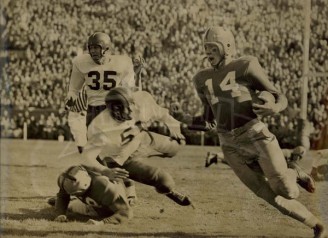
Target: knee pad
x=285 y=185
x=167 y=146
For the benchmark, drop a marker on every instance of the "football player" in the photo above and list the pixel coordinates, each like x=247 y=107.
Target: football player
x=117 y=133
x=226 y=89
x=99 y=71
x=77 y=120
x=99 y=197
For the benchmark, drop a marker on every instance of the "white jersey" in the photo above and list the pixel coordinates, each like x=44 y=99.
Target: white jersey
x=99 y=79
x=119 y=140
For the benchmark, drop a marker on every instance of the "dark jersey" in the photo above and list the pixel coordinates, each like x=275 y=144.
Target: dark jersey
x=99 y=195
x=229 y=91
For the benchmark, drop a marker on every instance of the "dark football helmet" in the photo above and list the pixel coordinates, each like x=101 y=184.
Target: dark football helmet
x=99 y=39
x=118 y=101
x=75 y=181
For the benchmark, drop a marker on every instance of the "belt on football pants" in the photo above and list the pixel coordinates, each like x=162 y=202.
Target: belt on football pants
x=254 y=124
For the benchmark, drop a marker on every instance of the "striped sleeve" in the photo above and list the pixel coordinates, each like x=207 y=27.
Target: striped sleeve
x=81 y=102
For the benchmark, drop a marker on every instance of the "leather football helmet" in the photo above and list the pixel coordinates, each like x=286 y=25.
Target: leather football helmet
x=221 y=37
x=75 y=181
x=99 y=39
x=118 y=101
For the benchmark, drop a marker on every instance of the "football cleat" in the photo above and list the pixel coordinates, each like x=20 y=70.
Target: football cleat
x=210 y=159
x=180 y=199
x=320 y=231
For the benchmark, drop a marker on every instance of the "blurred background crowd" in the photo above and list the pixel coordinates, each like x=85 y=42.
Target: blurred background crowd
x=40 y=38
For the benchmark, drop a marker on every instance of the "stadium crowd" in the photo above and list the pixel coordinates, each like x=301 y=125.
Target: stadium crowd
x=42 y=37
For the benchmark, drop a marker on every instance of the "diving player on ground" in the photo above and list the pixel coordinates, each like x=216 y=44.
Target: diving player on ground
x=117 y=134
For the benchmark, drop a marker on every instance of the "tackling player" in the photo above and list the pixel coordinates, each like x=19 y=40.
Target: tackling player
x=98 y=197
x=118 y=132
x=226 y=90
x=100 y=71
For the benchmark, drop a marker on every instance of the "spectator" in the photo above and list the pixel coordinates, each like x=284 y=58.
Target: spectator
x=168 y=36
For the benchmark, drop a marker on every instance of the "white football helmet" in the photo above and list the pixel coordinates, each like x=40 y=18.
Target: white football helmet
x=75 y=181
x=221 y=37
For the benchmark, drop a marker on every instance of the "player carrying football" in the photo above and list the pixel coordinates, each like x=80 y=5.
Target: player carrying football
x=226 y=90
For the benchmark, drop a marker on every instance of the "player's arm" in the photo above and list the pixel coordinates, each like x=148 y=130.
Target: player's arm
x=261 y=82
x=61 y=205
x=204 y=122
x=128 y=79
x=138 y=64
x=75 y=84
x=95 y=145
x=154 y=112
x=89 y=160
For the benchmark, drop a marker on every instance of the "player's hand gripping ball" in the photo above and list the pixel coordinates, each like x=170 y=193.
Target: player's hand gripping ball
x=264 y=103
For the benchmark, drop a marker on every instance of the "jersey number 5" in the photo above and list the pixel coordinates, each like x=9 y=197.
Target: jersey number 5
x=227 y=84
x=108 y=83
x=128 y=134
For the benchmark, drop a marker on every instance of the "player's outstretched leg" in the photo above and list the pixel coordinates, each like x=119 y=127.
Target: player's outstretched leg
x=161 y=180
x=179 y=198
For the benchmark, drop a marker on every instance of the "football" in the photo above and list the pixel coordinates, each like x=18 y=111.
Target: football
x=262 y=97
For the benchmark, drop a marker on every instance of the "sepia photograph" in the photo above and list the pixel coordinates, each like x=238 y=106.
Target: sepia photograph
x=164 y=118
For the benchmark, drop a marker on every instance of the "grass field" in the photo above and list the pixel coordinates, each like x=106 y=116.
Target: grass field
x=224 y=207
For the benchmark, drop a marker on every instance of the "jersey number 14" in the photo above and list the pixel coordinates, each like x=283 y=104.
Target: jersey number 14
x=227 y=84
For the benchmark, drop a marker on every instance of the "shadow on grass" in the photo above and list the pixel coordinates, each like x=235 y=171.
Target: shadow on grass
x=34 y=233
x=47 y=213
x=23 y=198
x=24 y=165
